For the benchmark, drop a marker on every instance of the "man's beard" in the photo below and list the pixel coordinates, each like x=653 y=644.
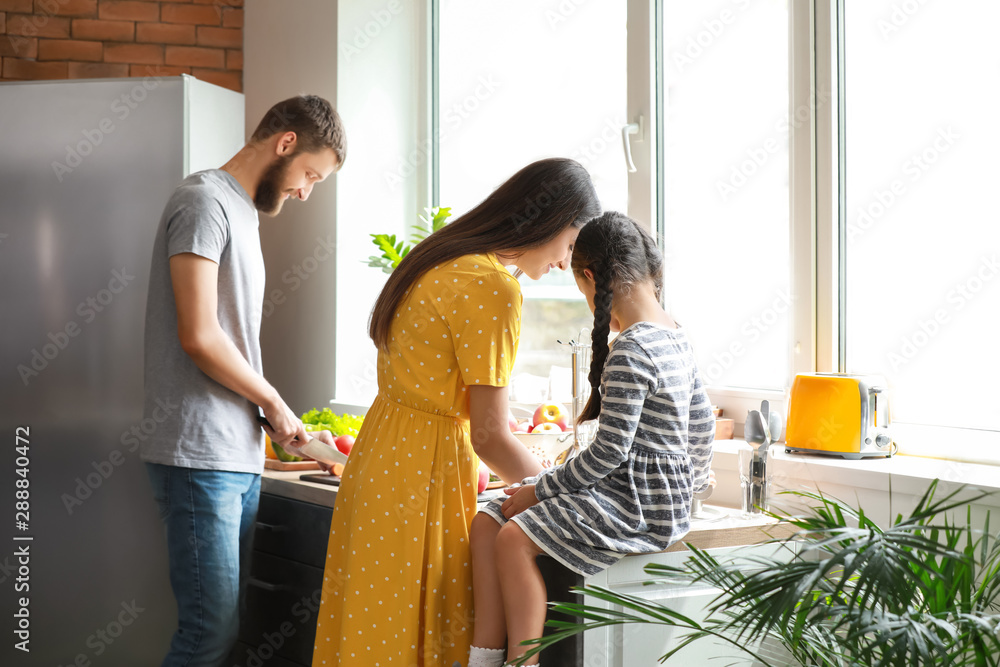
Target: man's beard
x=269 y=196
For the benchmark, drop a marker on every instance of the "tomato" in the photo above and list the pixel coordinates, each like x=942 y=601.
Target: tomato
x=345 y=443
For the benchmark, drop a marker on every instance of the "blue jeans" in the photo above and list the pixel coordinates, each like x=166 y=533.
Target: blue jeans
x=209 y=516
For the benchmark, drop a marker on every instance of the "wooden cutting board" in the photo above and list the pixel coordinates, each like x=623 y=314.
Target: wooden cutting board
x=275 y=464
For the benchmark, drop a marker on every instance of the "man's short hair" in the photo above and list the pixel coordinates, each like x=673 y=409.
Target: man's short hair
x=315 y=122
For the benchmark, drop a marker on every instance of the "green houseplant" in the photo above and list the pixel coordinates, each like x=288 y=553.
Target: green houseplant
x=923 y=591
x=394 y=251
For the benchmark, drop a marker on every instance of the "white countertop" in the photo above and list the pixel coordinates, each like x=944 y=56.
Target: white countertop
x=725 y=529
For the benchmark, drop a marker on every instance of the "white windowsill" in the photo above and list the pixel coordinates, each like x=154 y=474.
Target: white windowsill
x=904 y=475
x=941 y=443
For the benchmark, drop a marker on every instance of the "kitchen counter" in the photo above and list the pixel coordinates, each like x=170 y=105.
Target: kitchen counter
x=305 y=504
x=724 y=530
x=288 y=485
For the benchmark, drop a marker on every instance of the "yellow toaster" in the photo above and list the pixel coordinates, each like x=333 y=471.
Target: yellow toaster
x=840 y=415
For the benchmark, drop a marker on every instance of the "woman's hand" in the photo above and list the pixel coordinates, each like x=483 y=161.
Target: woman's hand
x=521 y=498
x=491 y=438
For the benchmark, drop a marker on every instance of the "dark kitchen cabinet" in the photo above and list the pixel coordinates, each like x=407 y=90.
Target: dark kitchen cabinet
x=559 y=580
x=278 y=628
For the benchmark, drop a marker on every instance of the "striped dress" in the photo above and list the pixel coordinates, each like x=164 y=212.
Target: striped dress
x=630 y=490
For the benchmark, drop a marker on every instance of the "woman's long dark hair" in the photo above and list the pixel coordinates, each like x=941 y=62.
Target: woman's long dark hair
x=619 y=253
x=530 y=209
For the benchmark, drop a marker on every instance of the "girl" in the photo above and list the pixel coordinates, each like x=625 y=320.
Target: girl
x=628 y=492
x=397 y=585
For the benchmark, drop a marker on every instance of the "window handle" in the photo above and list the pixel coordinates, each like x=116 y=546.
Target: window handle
x=631 y=128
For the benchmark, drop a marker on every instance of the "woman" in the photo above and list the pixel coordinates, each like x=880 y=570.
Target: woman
x=398 y=581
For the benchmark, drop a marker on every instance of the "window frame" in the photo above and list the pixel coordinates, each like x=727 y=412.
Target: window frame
x=642 y=153
x=817 y=170
x=813 y=324
x=964 y=444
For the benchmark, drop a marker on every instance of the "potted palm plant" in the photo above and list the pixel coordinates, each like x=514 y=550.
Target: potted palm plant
x=923 y=591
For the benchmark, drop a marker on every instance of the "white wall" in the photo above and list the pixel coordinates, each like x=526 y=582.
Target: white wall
x=315 y=343
x=290 y=48
x=381 y=83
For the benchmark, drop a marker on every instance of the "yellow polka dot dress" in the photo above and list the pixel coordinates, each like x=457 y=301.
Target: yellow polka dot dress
x=397 y=587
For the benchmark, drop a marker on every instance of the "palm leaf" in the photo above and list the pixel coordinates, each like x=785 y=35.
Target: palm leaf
x=842 y=590
x=641 y=611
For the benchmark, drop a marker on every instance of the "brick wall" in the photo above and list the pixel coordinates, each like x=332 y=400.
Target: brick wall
x=86 y=39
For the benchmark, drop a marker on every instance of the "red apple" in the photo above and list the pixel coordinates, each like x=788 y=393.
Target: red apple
x=524 y=427
x=547 y=427
x=552 y=413
x=484 y=477
x=344 y=443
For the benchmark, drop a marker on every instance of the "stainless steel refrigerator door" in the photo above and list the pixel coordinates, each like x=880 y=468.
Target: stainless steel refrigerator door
x=85 y=170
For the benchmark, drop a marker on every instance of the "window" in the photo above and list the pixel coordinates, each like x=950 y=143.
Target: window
x=820 y=171
x=520 y=81
x=923 y=278
x=909 y=99
x=725 y=185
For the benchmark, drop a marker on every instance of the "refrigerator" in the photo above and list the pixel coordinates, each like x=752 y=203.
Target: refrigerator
x=85 y=170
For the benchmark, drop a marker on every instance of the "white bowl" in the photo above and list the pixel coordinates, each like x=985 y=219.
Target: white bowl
x=546 y=446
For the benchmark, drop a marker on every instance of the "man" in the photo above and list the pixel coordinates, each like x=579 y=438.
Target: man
x=203 y=381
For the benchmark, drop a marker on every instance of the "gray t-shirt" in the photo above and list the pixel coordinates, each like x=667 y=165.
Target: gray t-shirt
x=190 y=420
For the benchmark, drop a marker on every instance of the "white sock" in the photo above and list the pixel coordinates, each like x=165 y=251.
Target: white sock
x=486 y=657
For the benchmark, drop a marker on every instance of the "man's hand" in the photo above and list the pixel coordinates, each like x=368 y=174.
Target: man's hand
x=521 y=498
x=327 y=438
x=285 y=426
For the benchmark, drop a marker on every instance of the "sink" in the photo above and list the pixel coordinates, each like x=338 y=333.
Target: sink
x=702 y=514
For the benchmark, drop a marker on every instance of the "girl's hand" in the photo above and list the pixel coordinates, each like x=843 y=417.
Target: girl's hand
x=521 y=498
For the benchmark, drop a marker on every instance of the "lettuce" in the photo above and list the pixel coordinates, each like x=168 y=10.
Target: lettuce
x=326 y=420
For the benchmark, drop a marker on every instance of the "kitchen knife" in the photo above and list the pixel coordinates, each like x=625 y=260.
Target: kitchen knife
x=313 y=448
